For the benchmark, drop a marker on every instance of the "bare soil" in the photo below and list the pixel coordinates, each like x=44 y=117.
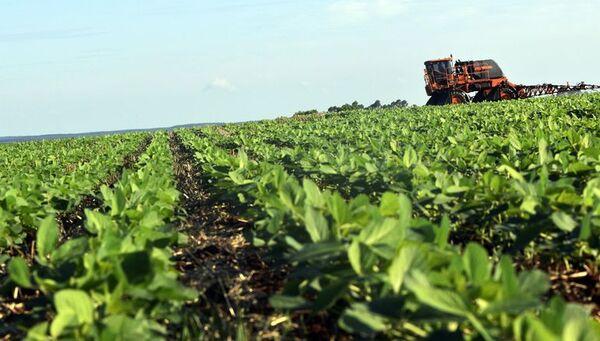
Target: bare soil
x=577 y=283
x=234 y=279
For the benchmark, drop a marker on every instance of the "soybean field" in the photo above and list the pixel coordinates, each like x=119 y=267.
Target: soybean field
x=463 y=222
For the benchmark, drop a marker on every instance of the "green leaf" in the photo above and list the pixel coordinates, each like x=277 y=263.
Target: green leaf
x=359 y=319
x=63 y=321
x=370 y=167
x=137 y=267
x=118 y=201
x=442 y=232
x=19 y=272
x=339 y=209
x=390 y=205
x=443 y=300
x=510 y=282
x=586 y=229
x=354 y=256
x=534 y=282
x=237 y=176
x=74 y=308
x=361 y=257
x=405 y=210
x=389 y=231
x=512 y=172
x=73 y=248
x=410 y=157
x=514 y=141
x=402 y=264
x=47 y=237
x=39 y=332
x=77 y=301
x=327 y=169
x=563 y=221
x=538 y=331
x=243 y=158
x=151 y=220
x=293 y=243
x=287 y=302
x=318 y=251
x=393 y=204
x=313 y=194
x=545 y=157
x=316 y=225
x=579 y=326
x=579 y=167
x=529 y=204
x=241 y=334
x=330 y=294
x=476 y=263
x=389 y=306
x=96 y=222
x=457 y=189
x=512 y=305
x=122 y=327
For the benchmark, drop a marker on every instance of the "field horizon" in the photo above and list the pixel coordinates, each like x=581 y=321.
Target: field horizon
x=27 y=138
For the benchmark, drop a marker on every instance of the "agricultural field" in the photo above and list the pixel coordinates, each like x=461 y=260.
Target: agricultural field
x=476 y=222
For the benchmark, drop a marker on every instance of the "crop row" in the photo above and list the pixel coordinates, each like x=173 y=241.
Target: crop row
x=518 y=177
x=54 y=177
x=48 y=159
x=116 y=281
x=378 y=267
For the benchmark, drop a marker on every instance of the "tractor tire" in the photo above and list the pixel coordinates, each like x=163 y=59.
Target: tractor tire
x=458 y=97
x=480 y=96
x=502 y=93
x=449 y=97
x=435 y=99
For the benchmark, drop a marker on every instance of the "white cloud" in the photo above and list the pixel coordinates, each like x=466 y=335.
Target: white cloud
x=306 y=84
x=352 y=11
x=390 y=7
x=220 y=84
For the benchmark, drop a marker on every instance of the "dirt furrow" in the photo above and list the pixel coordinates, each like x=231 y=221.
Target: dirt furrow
x=233 y=278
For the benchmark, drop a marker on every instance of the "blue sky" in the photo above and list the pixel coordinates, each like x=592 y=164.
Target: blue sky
x=76 y=66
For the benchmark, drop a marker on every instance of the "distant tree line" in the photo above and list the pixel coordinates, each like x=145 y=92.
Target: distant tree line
x=306 y=112
x=376 y=105
x=354 y=106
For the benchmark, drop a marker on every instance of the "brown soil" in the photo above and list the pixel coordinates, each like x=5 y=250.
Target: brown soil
x=577 y=283
x=233 y=279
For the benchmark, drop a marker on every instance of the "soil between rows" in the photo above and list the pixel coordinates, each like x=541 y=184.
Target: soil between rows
x=233 y=279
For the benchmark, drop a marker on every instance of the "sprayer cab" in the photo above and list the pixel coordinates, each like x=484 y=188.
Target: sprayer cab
x=450 y=82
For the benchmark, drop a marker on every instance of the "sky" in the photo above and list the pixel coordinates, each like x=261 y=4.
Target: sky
x=69 y=66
